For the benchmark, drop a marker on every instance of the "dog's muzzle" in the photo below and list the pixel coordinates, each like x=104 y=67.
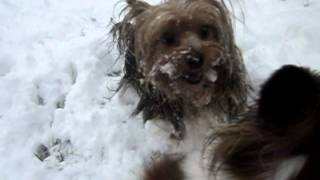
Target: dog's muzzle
x=194 y=62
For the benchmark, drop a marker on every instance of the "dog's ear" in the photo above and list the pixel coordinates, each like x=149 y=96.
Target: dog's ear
x=123 y=31
x=288 y=97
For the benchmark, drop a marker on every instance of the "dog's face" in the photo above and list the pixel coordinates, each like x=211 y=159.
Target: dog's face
x=181 y=45
x=185 y=48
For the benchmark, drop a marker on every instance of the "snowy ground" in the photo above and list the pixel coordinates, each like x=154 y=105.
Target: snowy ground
x=57 y=76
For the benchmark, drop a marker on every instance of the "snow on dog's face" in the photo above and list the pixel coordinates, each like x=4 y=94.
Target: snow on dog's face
x=283 y=127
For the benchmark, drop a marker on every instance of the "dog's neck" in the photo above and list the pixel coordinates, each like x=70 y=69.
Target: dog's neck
x=198 y=128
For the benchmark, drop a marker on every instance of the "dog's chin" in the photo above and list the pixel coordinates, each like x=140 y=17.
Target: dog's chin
x=193 y=88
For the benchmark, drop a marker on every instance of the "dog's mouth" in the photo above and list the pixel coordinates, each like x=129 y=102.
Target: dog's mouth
x=193 y=77
x=197 y=85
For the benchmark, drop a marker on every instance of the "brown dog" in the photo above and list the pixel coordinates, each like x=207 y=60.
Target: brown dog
x=181 y=58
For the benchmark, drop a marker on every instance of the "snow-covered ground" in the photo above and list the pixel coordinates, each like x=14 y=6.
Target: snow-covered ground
x=57 y=76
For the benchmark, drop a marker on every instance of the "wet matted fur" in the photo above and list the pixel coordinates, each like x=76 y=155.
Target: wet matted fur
x=284 y=124
x=181 y=58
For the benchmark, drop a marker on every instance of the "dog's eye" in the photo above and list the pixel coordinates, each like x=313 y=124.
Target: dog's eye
x=206 y=32
x=168 y=38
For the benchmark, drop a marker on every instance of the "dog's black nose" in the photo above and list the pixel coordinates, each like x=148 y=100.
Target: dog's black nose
x=194 y=60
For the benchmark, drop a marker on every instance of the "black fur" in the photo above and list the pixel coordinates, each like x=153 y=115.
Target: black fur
x=288 y=97
x=284 y=123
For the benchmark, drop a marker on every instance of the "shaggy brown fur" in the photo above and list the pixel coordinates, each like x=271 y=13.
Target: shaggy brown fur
x=180 y=56
x=284 y=124
x=167 y=168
